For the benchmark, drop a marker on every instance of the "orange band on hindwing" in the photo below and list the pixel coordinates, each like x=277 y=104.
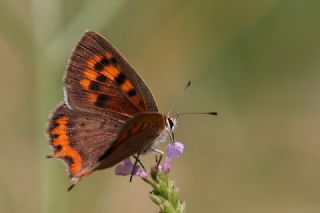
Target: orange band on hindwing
x=61 y=143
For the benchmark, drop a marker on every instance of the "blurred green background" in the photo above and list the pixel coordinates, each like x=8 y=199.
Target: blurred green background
x=255 y=62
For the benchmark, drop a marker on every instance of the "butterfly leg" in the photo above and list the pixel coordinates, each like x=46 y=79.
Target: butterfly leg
x=158 y=151
x=134 y=165
x=171 y=136
x=139 y=161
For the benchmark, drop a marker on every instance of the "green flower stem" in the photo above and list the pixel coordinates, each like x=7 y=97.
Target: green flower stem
x=164 y=193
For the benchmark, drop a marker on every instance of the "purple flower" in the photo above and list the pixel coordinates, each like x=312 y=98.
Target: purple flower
x=127 y=167
x=174 y=151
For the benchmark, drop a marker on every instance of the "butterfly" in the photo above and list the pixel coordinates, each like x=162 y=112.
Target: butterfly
x=108 y=113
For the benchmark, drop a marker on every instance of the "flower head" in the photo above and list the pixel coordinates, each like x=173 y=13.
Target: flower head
x=174 y=151
x=127 y=169
x=164 y=192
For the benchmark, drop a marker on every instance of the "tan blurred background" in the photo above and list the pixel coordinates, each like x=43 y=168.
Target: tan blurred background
x=255 y=62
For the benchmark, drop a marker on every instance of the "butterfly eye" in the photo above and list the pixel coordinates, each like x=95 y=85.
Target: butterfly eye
x=170 y=123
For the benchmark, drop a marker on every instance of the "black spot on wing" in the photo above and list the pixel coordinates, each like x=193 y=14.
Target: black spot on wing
x=101 y=78
x=53 y=125
x=54 y=136
x=58 y=148
x=100 y=65
x=102 y=100
x=68 y=160
x=94 y=86
x=104 y=61
x=113 y=60
x=132 y=92
x=120 y=78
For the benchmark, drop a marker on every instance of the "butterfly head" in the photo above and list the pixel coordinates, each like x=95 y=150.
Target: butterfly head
x=171 y=123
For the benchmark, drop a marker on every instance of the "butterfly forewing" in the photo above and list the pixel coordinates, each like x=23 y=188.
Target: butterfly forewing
x=98 y=79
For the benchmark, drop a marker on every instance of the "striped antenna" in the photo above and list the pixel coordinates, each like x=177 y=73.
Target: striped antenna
x=178 y=98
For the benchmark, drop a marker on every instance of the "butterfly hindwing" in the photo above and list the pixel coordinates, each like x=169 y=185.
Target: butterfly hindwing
x=98 y=79
x=137 y=136
x=79 y=138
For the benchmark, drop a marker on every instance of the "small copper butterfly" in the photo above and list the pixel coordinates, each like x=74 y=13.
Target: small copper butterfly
x=108 y=113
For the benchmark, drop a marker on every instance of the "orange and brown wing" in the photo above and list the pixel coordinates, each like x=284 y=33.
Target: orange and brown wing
x=79 y=138
x=99 y=80
x=137 y=136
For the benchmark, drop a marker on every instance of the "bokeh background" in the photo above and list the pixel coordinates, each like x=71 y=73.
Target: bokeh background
x=255 y=62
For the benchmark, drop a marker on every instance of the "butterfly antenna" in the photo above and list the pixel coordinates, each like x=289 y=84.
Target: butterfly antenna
x=197 y=113
x=179 y=97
